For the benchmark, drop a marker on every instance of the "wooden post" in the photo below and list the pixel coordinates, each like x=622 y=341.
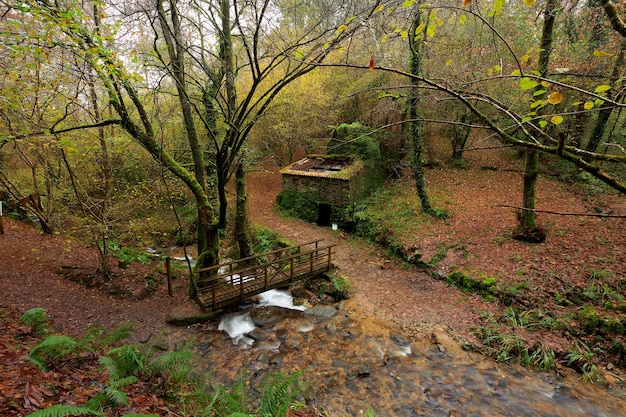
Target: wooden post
x=214 y=295
x=329 y=255
x=168 y=269
x=241 y=286
x=1 y=220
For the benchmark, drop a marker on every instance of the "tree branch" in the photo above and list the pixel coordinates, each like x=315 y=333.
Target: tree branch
x=7 y=139
x=560 y=213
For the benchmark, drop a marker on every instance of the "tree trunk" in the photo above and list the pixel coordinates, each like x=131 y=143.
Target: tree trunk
x=606 y=110
x=175 y=48
x=241 y=216
x=528 y=218
x=416 y=125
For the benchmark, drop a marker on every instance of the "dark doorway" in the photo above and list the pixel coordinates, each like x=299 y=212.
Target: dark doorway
x=323 y=215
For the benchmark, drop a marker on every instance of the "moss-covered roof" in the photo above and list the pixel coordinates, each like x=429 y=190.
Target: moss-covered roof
x=324 y=167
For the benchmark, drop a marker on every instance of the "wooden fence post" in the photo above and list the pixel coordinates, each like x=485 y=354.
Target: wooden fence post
x=168 y=269
x=1 y=220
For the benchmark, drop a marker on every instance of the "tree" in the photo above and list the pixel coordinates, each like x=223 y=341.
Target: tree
x=204 y=76
x=416 y=123
x=528 y=219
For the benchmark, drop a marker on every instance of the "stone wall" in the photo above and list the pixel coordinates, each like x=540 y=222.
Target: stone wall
x=328 y=190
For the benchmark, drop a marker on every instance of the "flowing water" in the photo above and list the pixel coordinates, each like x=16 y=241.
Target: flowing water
x=355 y=362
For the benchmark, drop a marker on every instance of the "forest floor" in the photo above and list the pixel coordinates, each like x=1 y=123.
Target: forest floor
x=579 y=251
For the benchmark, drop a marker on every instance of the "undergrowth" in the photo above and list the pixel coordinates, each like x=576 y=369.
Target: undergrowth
x=126 y=368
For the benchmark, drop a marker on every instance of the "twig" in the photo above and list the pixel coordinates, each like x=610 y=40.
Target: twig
x=560 y=213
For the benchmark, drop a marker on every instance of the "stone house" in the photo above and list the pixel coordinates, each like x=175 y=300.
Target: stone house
x=333 y=183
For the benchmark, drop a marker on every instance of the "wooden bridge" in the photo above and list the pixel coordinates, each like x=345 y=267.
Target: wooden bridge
x=233 y=282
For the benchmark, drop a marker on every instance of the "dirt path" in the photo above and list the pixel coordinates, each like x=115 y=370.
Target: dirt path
x=411 y=299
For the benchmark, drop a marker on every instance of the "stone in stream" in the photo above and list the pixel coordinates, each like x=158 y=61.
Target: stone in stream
x=364 y=370
x=321 y=312
x=400 y=340
x=270 y=315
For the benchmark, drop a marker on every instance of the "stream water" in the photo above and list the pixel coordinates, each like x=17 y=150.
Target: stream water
x=355 y=362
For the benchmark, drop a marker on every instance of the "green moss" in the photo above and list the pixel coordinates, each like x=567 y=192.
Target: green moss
x=300 y=205
x=591 y=322
x=485 y=286
x=354 y=140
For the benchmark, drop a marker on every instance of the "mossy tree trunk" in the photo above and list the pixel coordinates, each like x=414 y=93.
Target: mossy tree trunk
x=528 y=217
x=242 y=235
x=595 y=138
x=416 y=125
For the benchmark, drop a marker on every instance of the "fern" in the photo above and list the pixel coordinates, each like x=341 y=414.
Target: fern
x=123 y=332
x=62 y=410
x=279 y=391
x=140 y=415
x=37 y=318
x=177 y=363
x=124 y=360
x=55 y=347
x=227 y=402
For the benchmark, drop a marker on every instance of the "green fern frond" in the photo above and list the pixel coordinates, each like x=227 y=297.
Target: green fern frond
x=123 y=332
x=110 y=365
x=38 y=361
x=99 y=402
x=37 y=318
x=122 y=382
x=173 y=361
x=92 y=335
x=56 y=346
x=116 y=397
x=129 y=360
x=279 y=391
x=62 y=410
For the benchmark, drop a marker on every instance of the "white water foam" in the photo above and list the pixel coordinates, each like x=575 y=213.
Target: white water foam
x=279 y=299
x=237 y=326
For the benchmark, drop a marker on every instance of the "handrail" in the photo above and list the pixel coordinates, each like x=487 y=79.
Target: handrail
x=249 y=258
x=215 y=291
x=263 y=265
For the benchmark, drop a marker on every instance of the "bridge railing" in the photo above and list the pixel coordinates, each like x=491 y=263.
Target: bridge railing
x=237 y=280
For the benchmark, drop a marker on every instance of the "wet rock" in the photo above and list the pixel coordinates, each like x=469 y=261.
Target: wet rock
x=188 y=314
x=277 y=359
x=447 y=343
x=364 y=370
x=331 y=327
x=320 y=312
x=204 y=347
x=270 y=315
x=439 y=274
x=400 y=340
x=301 y=292
x=158 y=342
x=256 y=335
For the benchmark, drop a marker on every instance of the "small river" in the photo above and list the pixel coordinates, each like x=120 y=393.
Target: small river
x=355 y=362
